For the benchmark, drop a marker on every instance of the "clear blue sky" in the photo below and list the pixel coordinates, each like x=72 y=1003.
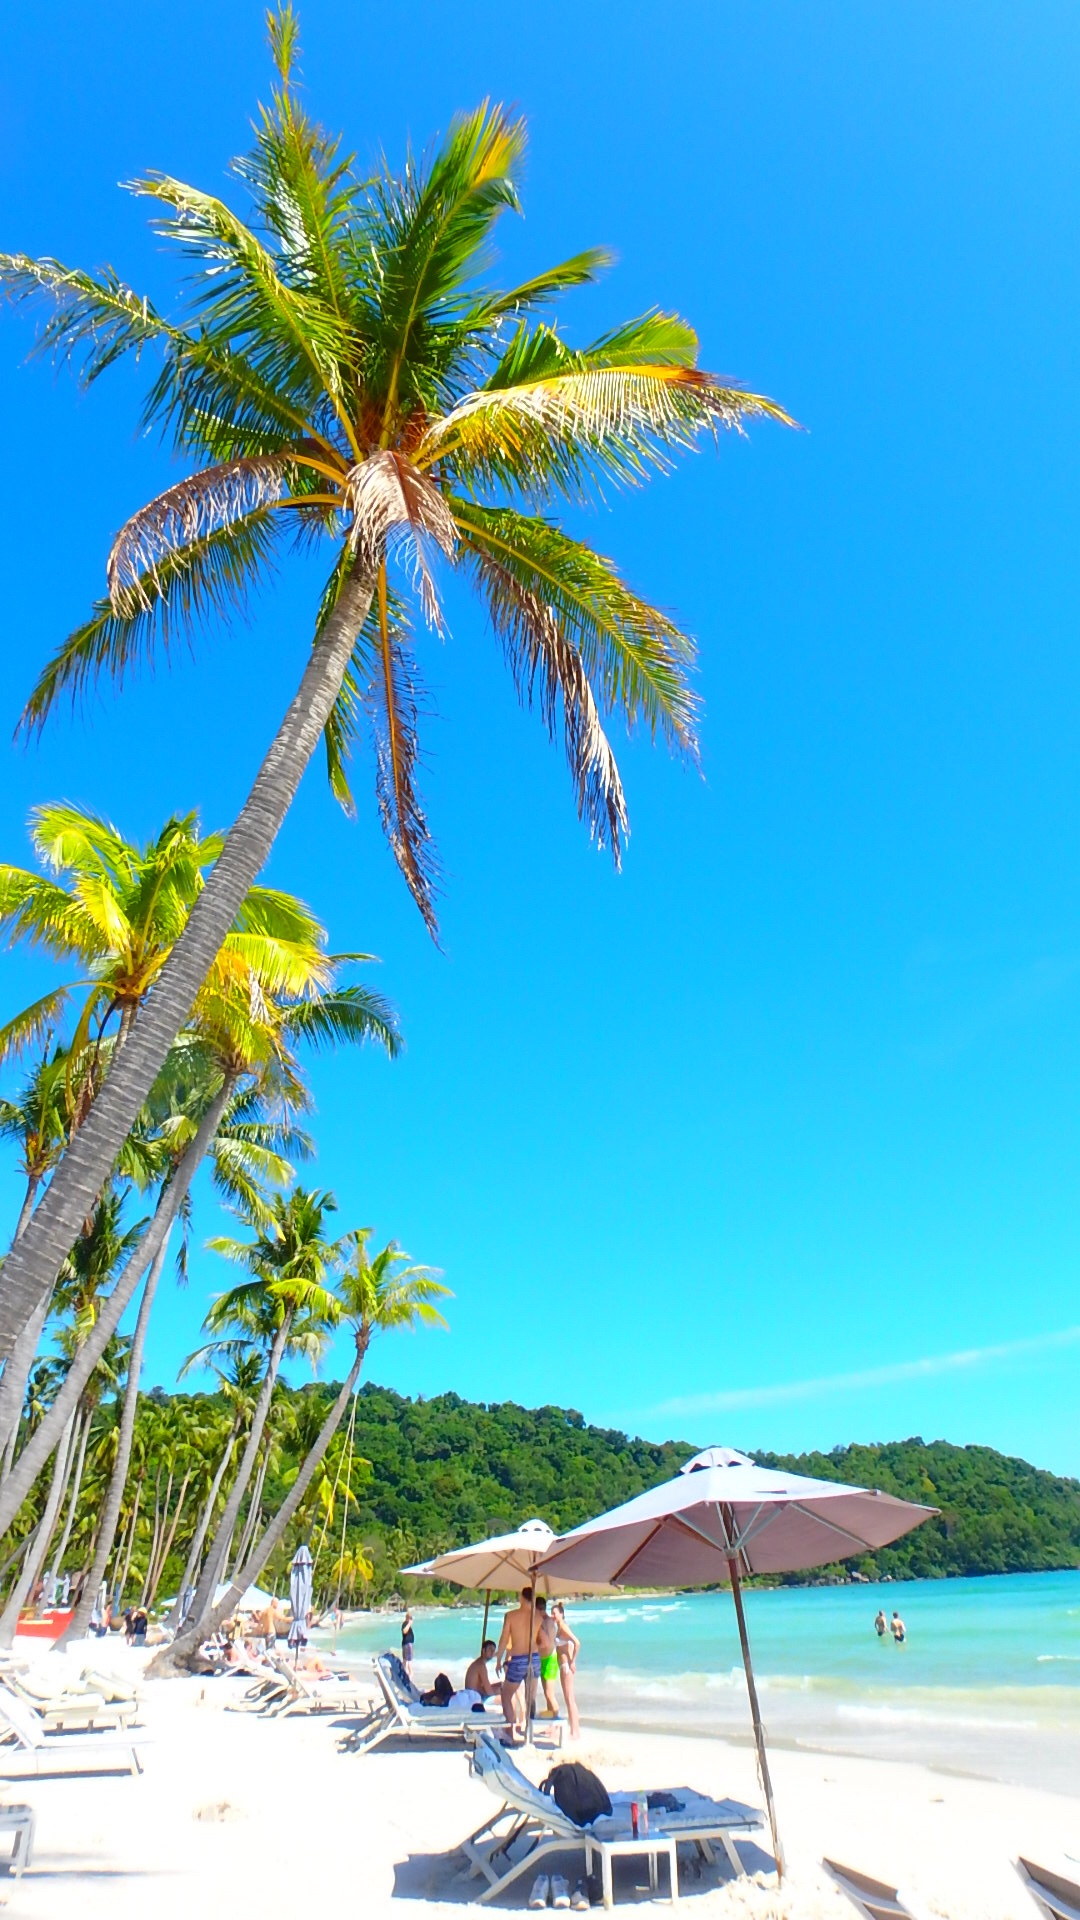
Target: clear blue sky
x=726 y=1146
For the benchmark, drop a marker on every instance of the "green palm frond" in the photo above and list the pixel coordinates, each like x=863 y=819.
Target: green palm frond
x=346 y=1014
x=35 y=1024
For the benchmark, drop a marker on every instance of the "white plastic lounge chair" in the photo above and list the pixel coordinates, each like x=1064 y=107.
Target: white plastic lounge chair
x=21 y=1821
x=70 y=1707
x=532 y=1821
x=402 y=1712
x=874 y=1899
x=308 y=1693
x=1059 y=1898
x=30 y=1748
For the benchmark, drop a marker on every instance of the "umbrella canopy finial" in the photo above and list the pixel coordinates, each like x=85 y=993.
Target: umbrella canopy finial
x=716 y=1457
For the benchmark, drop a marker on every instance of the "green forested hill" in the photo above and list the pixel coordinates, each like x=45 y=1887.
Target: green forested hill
x=447 y=1470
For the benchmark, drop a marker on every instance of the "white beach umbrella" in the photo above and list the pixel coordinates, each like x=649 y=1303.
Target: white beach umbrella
x=252 y=1600
x=300 y=1575
x=722 y=1517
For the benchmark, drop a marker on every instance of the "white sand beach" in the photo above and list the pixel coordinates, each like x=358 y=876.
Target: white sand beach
x=236 y=1814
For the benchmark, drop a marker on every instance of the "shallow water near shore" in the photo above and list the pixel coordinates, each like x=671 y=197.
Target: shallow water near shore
x=987 y=1681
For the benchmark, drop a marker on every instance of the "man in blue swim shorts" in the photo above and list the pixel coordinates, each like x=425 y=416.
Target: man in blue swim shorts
x=519 y=1654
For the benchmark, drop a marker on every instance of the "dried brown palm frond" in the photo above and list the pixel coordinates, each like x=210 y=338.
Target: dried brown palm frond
x=389 y=499
x=393 y=702
x=547 y=667
x=194 y=508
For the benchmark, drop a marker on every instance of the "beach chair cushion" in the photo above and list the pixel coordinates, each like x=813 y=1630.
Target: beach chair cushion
x=395 y=1672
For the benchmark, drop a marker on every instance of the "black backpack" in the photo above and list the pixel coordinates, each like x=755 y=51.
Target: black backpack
x=577 y=1792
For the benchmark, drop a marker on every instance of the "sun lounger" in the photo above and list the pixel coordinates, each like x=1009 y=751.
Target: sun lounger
x=531 y=1822
x=874 y=1899
x=72 y=1707
x=30 y=1748
x=402 y=1712
x=312 y=1693
x=21 y=1821
x=1059 y=1898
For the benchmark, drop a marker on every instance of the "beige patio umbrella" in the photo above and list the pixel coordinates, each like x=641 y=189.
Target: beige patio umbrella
x=723 y=1517
x=506 y=1560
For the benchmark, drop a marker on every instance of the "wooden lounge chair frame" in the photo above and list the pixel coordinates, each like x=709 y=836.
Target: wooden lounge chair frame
x=34 y=1750
x=533 y=1820
x=1059 y=1898
x=874 y=1898
x=22 y=1822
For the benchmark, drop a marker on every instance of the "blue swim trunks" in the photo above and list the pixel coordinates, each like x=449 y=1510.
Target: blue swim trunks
x=518 y=1667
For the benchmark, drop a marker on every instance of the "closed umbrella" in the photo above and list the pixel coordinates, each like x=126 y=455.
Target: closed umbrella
x=300 y=1596
x=723 y=1517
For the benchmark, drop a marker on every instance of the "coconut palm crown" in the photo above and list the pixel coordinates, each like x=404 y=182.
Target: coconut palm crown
x=342 y=373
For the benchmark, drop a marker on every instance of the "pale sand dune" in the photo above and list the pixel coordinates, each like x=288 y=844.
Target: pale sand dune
x=239 y=1816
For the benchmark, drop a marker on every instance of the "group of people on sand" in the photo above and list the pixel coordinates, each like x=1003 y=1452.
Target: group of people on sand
x=537 y=1643
x=895 y=1626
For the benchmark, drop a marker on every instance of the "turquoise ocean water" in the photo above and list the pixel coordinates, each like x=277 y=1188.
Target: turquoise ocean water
x=987 y=1682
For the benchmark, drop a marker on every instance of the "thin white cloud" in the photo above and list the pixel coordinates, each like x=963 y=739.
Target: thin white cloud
x=776 y=1393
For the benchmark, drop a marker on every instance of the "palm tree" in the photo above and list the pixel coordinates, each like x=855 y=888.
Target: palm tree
x=37 y=1118
x=244 y=1153
x=272 y=984
x=238 y=1383
x=375 y=1296
x=342 y=373
x=287 y=1302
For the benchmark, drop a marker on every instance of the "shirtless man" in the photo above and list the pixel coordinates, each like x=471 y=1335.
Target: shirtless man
x=477 y=1678
x=549 y=1659
x=518 y=1654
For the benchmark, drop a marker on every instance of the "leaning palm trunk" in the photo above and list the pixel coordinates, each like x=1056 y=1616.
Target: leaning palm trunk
x=254 y=1509
x=76 y=1487
x=188 y=1643
x=127 y=1551
x=110 y=1513
x=204 y=1597
x=40 y=1541
x=199 y=1540
x=41 y=1444
x=21 y=1358
x=31 y=1267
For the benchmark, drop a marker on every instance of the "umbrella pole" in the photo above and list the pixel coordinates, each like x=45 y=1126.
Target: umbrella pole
x=487 y=1609
x=755 y=1713
x=530 y=1692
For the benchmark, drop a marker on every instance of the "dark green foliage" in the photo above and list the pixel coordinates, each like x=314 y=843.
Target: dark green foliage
x=447 y=1470
x=998 y=1514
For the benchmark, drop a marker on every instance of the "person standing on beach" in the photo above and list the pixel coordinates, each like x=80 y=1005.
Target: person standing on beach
x=408 y=1641
x=518 y=1655
x=881 y=1625
x=897 y=1629
x=549 y=1659
x=567 y=1648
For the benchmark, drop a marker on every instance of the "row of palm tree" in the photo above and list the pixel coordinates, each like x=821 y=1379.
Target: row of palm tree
x=339 y=375
x=232 y=1089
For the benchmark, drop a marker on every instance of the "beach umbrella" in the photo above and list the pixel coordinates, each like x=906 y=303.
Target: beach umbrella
x=506 y=1560
x=300 y=1573
x=252 y=1600
x=723 y=1517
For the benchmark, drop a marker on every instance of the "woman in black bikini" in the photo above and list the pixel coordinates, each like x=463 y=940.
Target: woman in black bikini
x=407 y=1639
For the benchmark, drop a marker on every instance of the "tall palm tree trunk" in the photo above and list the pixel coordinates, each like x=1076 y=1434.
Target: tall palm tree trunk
x=199 y=1537
x=127 y=1554
x=76 y=1485
x=21 y=1358
x=254 y=1505
x=41 y=1444
x=154 y=1537
x=110 y=1512
x=167 y=1544
x=31 y=1267
x=39 y=1546
x=177 y=1657
x=204 y=1596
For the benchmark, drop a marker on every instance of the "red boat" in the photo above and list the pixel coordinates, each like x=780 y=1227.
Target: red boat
x=44 y=1626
